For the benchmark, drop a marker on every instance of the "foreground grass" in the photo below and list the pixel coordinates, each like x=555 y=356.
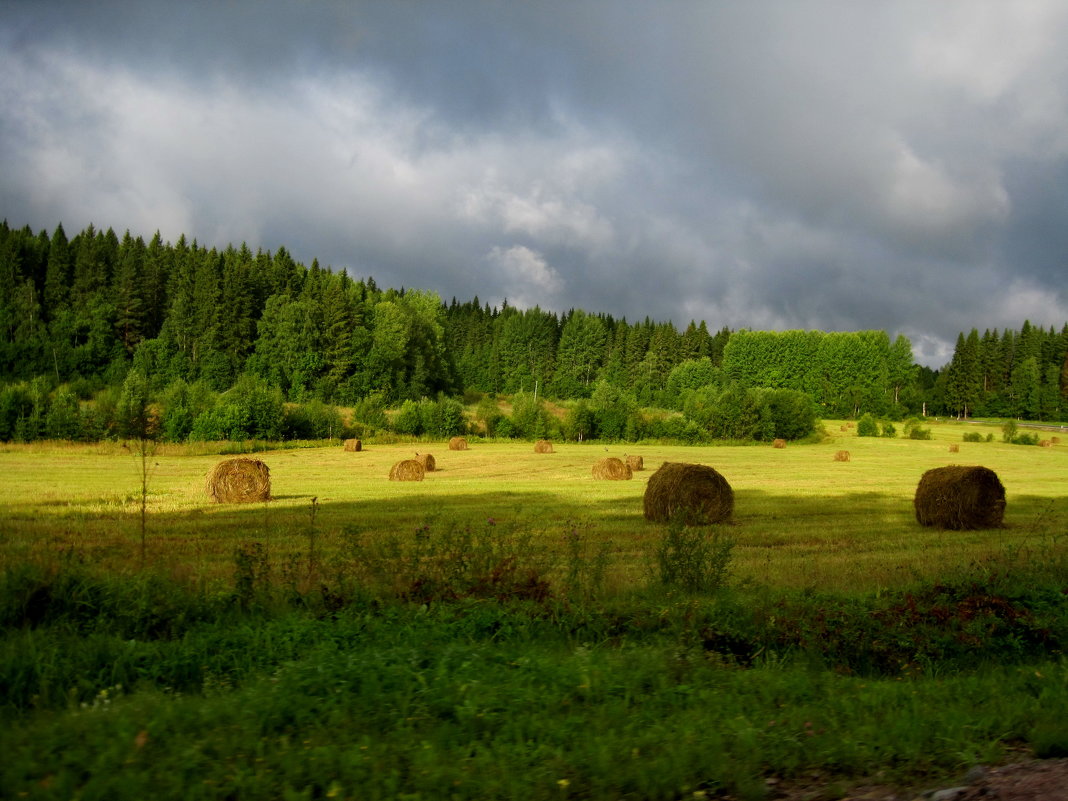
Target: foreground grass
x=663 y=696
x=498 y=630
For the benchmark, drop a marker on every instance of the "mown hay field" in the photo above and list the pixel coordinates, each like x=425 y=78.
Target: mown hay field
x=801 y=519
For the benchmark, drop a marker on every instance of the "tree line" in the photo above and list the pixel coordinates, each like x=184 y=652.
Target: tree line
x=1017 y=374
x=79 y=315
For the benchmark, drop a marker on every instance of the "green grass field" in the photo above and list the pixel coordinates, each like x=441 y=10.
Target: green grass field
x=801 y=518
x=331 y=648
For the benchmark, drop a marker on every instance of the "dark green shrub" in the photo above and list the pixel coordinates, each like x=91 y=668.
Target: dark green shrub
x=972 y=436
x=867 y=426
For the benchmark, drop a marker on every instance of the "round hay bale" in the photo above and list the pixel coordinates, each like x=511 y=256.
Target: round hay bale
x=1046 y=443
x=353 y=445
x=1055 y=440
x=427 y=461
x=240 y=480
x=636 y=463
x=407 y=470
x=843 y=428
x=457 y=444
x=954 y=448
x=841 y=456
x=960 y=498
x=543 y=446
x=612 y=469
x=696 y=492
x=779 y=443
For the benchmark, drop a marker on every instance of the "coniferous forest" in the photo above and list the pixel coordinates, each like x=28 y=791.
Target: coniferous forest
x=236 y=344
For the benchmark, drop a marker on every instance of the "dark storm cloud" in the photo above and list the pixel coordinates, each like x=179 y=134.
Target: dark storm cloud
x=833 y=164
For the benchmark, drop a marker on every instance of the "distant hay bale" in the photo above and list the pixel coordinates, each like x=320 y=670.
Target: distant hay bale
x=844 y=428
x=1055 y=440
x=841 y=456
x=427 y=461
x=612 y=469
x=1046 y=443
x=960 y=498
x=239 y=480
x=954 y=448
x=457 y=444
x=543 y=446
x=353 y=445
x=407 y=470
x=779 y=443
x=636 y=463
x=697 y=493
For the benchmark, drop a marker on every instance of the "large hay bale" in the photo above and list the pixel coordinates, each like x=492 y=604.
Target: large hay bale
x=1046 y=443
x=841 y=456
x=240 y=480
x=959 y=497
x=427 y=461
x=407 y=470
x=457 y=444
x=353 y=445
x=543 y=446
x=612 y=469
x=636 y=463
x=697 y=493
x=779 y=443
x=954 y=447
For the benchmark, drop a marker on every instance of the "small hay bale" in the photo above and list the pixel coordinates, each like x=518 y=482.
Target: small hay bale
x=407 y=470
x=240 y=480
x=779 y=443
x=612 y=469
x=1046 y=443
x=353 y=445
x=636 y=463
x=960 y=498
x=954 y=448
x=1055 y=440
x=427 y=461
x=696 y=492
x=844 y=428
x=457 y=444
x=841 y=456
x=543 y=446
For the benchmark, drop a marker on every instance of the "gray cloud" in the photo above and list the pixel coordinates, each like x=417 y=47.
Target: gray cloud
x=770 y=164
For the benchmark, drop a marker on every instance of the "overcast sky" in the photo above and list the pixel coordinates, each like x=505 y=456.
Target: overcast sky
x=769 y=165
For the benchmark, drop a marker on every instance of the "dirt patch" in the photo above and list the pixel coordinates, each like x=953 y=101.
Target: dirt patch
x=1027 y=780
